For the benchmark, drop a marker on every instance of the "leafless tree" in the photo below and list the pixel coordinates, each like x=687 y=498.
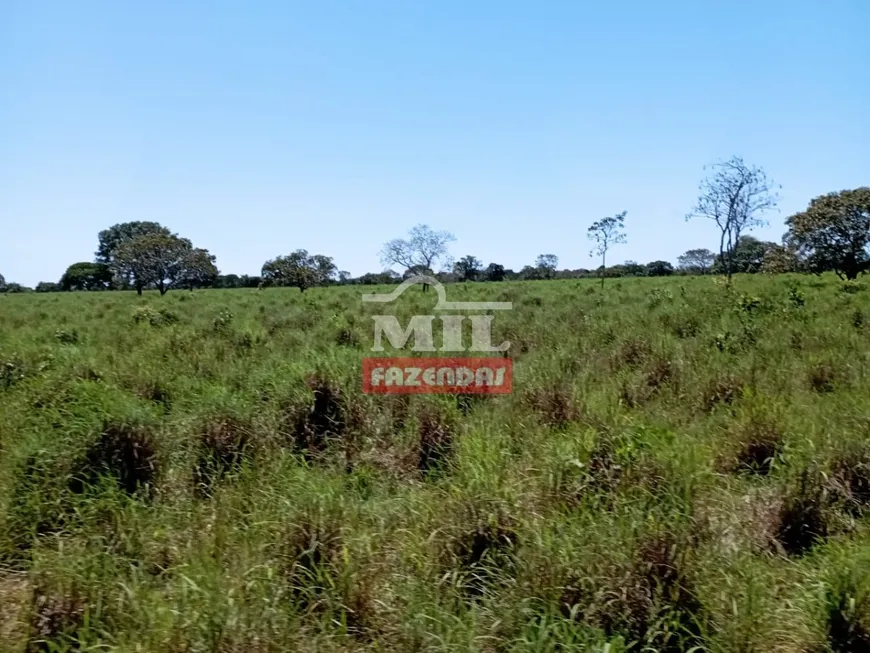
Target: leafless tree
x=420 y=252
x=735 y=196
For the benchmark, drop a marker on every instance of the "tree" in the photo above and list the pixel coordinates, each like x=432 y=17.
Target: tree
x=198 y=270
x=606 y=233
x=547 y=264
x=697 y=260
x=299 y=270
x=467 y=268
x=112 y=238
x=161 y=261
x=494 y=272
x=424 y=247
x=780 y=259
x=659 y=269
x=47 y=286
x=735 y=196
x=633 y=269
x=325 y=270
x=86 y=276
x=749 y=255
x=834 y=233
x=2 y=283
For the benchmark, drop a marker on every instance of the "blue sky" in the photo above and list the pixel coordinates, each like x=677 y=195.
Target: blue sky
x=256 y=128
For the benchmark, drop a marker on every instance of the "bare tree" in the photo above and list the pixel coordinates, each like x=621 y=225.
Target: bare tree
x=606 y=233
x=420 y=251
x=735 y=196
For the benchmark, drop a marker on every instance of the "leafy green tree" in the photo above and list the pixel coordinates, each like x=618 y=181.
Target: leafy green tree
x=546 y=265
x=735 y=196
x=326 y=271
x=779 y=259
x=697 y=261
x=606 y=233
x=86 y=276
x=47 y=286
x=2 y=283
x=299 y=270
x=467 y=268
x=163 y=262
x=198 y=270
x=747 y=257
x=659 y=269
x=834 y=233
x=112 y=238
x=494 y=272
x=14 y=288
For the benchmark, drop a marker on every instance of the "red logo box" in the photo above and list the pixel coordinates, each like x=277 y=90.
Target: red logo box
x=440 y=375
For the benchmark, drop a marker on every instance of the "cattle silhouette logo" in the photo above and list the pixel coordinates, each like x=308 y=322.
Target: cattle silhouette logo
x=488 y=372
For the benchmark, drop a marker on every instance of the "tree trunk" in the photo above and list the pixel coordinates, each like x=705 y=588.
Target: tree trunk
x=139 y=290
x=603 y=268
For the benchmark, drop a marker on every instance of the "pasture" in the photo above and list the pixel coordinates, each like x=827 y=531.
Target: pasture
x=681 y=465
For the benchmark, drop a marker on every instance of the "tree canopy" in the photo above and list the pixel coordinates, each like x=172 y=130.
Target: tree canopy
x=834 y=233
x=86 y=276
x=162 y=261
x=697 y=260
x=299 y=270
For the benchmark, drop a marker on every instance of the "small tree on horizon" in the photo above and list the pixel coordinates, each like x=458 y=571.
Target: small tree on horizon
x=700 y=260
x=468 y=268
x=606 y=233
x=547 y=264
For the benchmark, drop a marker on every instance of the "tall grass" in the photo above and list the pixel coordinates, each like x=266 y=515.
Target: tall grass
x=681 y=465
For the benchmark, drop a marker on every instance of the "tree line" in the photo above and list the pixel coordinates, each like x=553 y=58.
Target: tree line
x=832 y=234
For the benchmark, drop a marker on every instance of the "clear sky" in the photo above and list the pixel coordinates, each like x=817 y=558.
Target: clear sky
x=255 y=128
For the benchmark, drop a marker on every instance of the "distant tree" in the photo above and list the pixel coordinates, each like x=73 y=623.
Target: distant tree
x=112 y=238
x=780 y=259
x=606 y=233
x=696 y=261
x=735 y=196
x=325 y=270
x=227 y=281
x=834 y=233
x=47 y=286
x=531 y=273
x=634 y=269
x=344 y=276
x=749 y=254
x=299 y=270
x=2 y=283
x=416 y=270
x=546 y=265
x=424 y=247
x=86 y=276
x=494 y=272
x=378 y=278
x=467 y=268
x=198 y=270
x=161 y=261
x=250 y=281
x=14 y=288
x=659 y=269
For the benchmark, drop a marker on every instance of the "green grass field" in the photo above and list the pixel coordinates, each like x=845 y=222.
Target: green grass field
x=681 y=466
